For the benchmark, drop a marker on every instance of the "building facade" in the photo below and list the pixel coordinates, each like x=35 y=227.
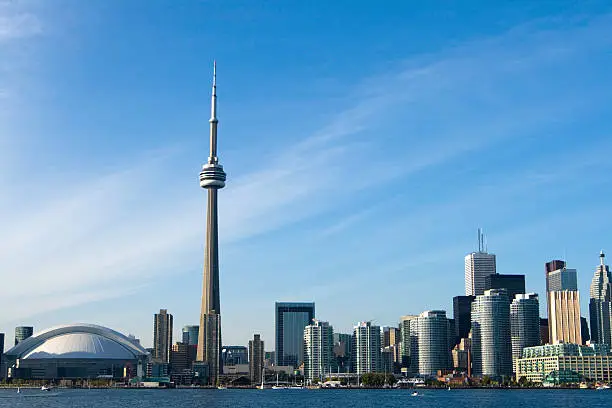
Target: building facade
x=478 y=265
x=432 y=346
x=162 y=336
x=291 y=319
x=462 y=316
x=406 y=341
x=564 y=360
x=564 y=319
x=343 y=352
x=600 y=304
x=524 y=323
x=514 y=284
x=491 y=342
x=256 y=359
x=318 y=350
x=366 y=348
x=22 y=333
x=234 y=355
x=190 y=335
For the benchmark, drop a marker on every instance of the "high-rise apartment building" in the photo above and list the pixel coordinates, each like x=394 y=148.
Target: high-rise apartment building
x=514 y=284
x=524 y=323
x=212 y=178
x=179 y=358
x=256 y=359
x=343 y=352
x=162 y=336
x=291 y=319
x=564 y=319
x=432 y=346
x=462 y=316
x=366 y=348
x=600 y=304
x=22 y=333
x=390 y=336
x=318 y=350
x=190 y=335
x=491 y=341
x=478 y=265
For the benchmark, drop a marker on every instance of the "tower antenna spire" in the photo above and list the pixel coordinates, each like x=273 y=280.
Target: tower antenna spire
x=213 y=118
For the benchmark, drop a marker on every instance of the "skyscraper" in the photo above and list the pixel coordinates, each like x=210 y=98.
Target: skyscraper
x=524 y=323
x=256 y=359
x=2 y=373
x=22 y=333
x=433 y=351
x=478 y=265
x=491 y=345
x=514 y=284
x=291 y=319
x=162 y=336
x=318 y=349
x=558 y=279
x=212 y=178
x=564 y=319
x=600 y=304
x=406 y=341
x=190 y=335
x=366 y=350
x=462 y=314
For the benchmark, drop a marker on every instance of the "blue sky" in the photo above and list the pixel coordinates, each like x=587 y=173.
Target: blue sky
x=364 y=145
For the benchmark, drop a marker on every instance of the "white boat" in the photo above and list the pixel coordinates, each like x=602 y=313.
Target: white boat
x=222 y=387
x=45 y=388
x=18 y=390
x=414 y=394
x=603 y=387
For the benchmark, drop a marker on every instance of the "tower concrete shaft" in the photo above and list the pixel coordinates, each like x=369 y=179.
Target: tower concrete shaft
x=212 y=178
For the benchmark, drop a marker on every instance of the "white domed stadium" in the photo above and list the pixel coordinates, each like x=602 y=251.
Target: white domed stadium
x=76 y=351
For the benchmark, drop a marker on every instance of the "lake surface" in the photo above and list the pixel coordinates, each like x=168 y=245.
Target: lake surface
x=305 y=398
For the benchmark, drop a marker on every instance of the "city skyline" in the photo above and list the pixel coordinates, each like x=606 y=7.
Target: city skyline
x=113 y=213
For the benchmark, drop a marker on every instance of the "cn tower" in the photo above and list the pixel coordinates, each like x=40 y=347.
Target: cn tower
x=212 y=178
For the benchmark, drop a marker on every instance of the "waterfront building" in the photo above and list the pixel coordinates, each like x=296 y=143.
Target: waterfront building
x=256 y=359
x=600 y=304
x=462 y=358
x=564 y=318
x=432 y=347
x=343 y=351
x=524 y=323
x=76 y=351
x=462 y=316
x=564 y=362
x=291 y=319
x=478 y=265
x=179 y=358
x=190 y=335
x=212 y=178
x=390 y=336
x=162 y=336
x=22 y=333
x=366 y=348
x=318 y=350
x=559 y=278
x=406 y=341
x=491 y=343
x=234 y=355
x=514 y=284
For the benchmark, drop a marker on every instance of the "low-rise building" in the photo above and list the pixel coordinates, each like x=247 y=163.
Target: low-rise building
x=564 y=362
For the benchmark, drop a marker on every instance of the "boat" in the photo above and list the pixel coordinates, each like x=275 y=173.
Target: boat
x=45 y=388
x=18 y=390
x=278 y=387
x=222 y=387
x=414 y=394
x=603 y=387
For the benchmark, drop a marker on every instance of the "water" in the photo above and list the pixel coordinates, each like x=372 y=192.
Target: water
x=305 y=398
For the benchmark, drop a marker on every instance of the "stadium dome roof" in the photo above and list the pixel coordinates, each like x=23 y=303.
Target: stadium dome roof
x=78 y=341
